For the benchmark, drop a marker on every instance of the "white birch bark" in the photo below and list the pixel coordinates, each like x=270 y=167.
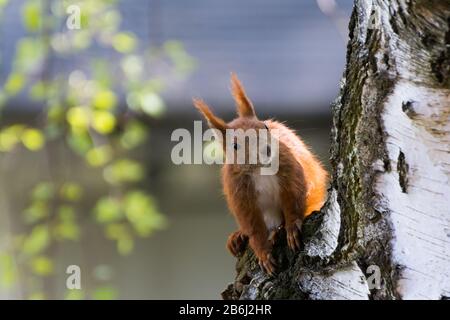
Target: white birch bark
x=389 y=200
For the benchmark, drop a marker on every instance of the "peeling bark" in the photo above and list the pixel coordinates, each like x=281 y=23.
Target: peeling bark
x=389 y=199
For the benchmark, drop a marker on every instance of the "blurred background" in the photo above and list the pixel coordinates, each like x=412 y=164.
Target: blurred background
x=90 y=92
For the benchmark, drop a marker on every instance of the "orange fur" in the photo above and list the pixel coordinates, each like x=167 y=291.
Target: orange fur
x=315 y=175
x=300 y=183
x=243 y=103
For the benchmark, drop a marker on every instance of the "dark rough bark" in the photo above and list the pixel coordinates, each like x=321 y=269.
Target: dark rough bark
x=395 y=49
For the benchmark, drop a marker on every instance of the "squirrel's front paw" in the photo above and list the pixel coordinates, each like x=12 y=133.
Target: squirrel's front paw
x=273 y=235
x=293 y=235
x=236 y=243
x=267 y=263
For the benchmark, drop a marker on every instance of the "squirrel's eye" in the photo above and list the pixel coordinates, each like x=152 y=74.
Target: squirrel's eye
x=235 y=146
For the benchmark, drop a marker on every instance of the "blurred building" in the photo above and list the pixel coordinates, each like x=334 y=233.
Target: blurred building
x=288 y=53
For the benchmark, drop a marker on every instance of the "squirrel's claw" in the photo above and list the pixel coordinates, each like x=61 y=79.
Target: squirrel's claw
x=273 y=235
x=293 y=237
x=267 y=263
x=236 y=243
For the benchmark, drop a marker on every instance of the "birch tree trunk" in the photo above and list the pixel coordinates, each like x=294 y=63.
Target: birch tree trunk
x=387 y=217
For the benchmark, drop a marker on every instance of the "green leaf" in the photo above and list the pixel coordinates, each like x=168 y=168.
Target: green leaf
x=67 y=231
x=43 y=191
x=66 y=213
x=3 y=3
x=30 y=52
x=123 y=170
x=107 y=210
x=79 y=142
x=55 y=113
x=99 y=156
x=74 y=294
x=66 y=227
x=125 y=245
x=10 y=136
x=33 y=139
x=103 y=122
x=42 y=266
x=37 y=241
x=86 y=15
x=105 y=100
x=173 y=47
x=8 y=271
x=105 y=293
x=31 y=15
x=71 y=191
x=115 y=231
x=37 y=211
x=124 y=42
x=134 y=134
x=78 y=118
x=82 y=39
x=176 y=52
x=140 y=209
x=14 y=83
x=38 y=91
x=53 y=131
x=37 y=296
x=110 y=20
x=102 y=72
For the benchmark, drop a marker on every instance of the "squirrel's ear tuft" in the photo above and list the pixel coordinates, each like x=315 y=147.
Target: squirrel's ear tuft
x=243 y=103
x=213 y=121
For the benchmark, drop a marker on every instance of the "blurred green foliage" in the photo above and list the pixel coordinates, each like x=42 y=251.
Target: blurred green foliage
x=98 y=110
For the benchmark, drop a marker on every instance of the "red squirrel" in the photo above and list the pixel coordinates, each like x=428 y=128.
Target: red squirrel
x=262 y=204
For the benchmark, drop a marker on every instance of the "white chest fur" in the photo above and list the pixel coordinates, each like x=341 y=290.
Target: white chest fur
x=268 y=199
